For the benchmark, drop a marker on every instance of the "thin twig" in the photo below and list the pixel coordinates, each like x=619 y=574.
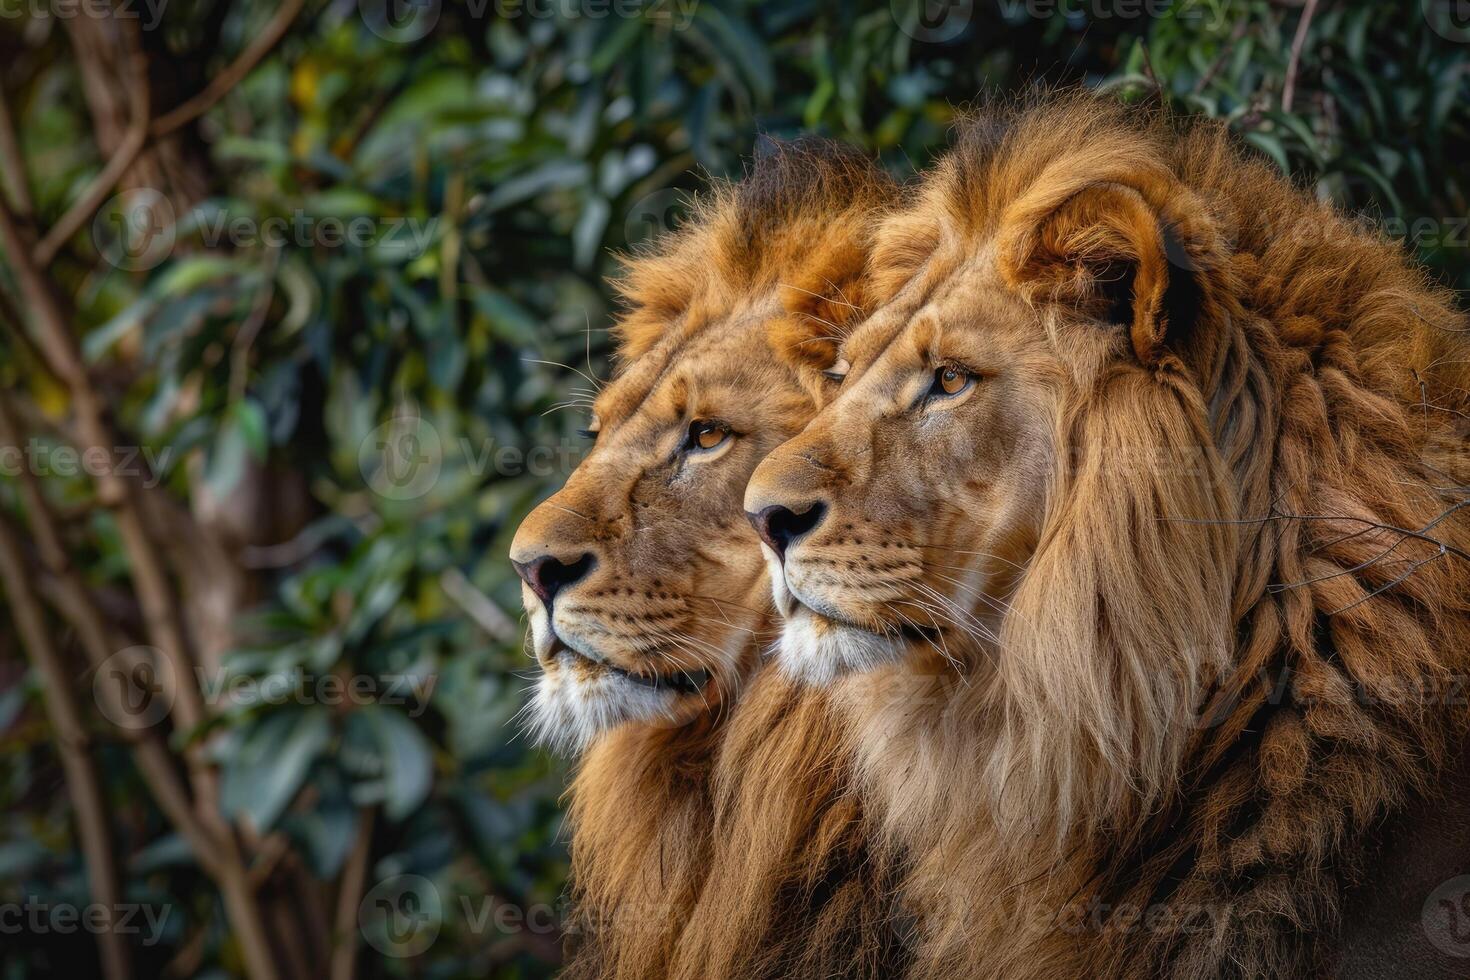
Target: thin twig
x=82 y=782
x=221 y=84
x=245 y=336
x=84 y=207
x=10 y=158
x=478 y=606
x=1288 y=91
x=349 y=897
x=140 y=129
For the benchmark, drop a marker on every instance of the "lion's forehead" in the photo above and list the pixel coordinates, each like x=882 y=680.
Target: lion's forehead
x=733 y=363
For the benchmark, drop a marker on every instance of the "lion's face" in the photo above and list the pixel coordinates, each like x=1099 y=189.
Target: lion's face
x=911 y=504
x=642 y=580
x=996 y=438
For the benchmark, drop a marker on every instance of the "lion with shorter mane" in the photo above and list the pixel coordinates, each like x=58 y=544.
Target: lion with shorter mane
x=649 y=607
x=1133 y=549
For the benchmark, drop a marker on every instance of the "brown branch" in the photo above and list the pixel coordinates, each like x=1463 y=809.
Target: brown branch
x=11 y=318
x=140 y=129
x=218 y=86
x=1238 y=32
x=150 y=581
x=72 y=600
x=10 y=159
x=250 y=328
x=1288 y=91
x=84 y=207
x=95 y=436
x=82 y=782
x=349 y=897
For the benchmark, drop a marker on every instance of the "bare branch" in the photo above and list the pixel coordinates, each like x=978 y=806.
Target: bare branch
x=273 y=31
x=72 y=745
x=84 y=207
x=478 y=606
x=140 y=129
x=349 y=897
x=74 y=602
x=12 y=162
x=1288 y=91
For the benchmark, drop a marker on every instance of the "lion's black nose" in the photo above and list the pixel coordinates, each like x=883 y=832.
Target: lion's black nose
x=548 y=575
x=780 y=526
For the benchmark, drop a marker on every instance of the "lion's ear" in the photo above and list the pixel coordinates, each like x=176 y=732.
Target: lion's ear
x=821 y=308
x=1115 y=257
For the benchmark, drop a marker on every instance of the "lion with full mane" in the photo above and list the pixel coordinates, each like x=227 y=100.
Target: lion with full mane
x=649 y=608
x=1133 y=549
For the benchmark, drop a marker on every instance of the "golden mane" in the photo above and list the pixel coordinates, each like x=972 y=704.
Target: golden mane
x=798 y=223
x=1237 y=644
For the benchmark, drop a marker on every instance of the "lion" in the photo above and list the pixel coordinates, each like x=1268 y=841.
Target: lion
x=1134 y=549
x=645 y=586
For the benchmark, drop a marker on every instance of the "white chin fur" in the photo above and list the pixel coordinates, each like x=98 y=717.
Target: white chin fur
x=567 y=714
x=821 y=653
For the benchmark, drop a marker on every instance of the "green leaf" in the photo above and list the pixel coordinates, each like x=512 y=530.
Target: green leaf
x=406 y=757
x=249 y=417
x=262 y=778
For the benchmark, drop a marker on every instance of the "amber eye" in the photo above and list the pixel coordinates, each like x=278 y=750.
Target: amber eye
x=705 y=435
x=950 y=381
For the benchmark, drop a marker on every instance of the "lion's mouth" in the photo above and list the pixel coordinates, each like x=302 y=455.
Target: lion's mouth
x=683 y=682
x=905 y=630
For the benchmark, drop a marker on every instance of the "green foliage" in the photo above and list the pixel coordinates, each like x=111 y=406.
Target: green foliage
x=497 y=164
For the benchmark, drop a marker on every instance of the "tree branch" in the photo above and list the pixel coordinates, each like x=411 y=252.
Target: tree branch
x=140 y=129
x=150 y=581
x=84 y=207
x=72 y=745
x=10 y=159
x=1288 y=91
x=349 y=897
x=73 y=601
x=273 y=31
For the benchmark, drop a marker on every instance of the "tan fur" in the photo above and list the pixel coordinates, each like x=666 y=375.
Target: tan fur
x=733 y=317
x=1143 y=652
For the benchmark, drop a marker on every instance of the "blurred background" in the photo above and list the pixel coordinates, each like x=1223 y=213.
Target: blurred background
x=296 y=301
